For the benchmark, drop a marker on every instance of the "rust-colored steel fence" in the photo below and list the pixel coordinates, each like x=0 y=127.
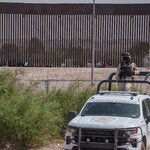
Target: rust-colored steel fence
x=60 y=35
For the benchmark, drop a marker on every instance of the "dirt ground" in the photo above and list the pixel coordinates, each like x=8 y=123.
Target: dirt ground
x=55 y=145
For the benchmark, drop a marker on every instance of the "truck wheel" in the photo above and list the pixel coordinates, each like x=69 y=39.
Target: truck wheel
x=143 y=146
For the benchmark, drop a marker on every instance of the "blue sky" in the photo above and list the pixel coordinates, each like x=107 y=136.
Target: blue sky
x=79 y=1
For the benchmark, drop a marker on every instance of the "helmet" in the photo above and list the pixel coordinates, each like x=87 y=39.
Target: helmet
x=126 y=57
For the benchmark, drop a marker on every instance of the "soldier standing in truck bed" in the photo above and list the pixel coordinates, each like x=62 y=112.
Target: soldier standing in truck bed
x=126 y=71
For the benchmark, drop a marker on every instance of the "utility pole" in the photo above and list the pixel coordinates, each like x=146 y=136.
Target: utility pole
x=93 y=45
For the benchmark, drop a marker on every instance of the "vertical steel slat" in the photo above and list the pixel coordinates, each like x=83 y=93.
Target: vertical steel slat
x=136 y=22
x=22 y=55
x=30 y=35
x=139 y=35
x=59 y=47
x=2 y=36
x=7 y=25
x=142 y=39
x=104 y=36
x=86 y=40
x=15 y=39
x=39 y=59
x=7 y=35
x=113 y=44
x=44 y=41
x=38 y=55
x=133 y=31
x=89 y=37
x=56 y=40
x=82 y=39
x=130 y=28
x=97 y=42
x=72 y=49
x=126 y=31
x=12 y=39
x=75 y=40
x=118 y=28
x=63 y=38
x=130 y=45
x=110 y=39
x=124 y=35
x=47 y=40
x=52 y=39
x=118 y=37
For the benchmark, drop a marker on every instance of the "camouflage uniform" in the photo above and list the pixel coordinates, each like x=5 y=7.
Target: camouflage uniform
x=126 y=71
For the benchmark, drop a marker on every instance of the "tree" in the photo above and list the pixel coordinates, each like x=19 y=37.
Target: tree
x=79 y=55
x=36 y=51
x=10 y=53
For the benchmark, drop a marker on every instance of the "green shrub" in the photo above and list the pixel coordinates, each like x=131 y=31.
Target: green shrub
x=30 y=119
x=71 y=99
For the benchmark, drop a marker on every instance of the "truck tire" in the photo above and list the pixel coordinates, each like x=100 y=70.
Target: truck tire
x=143 y=146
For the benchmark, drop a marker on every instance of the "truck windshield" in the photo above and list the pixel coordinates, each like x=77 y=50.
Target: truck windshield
x=111 y=109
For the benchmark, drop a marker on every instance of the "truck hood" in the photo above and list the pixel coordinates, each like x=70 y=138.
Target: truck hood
x=103 y=122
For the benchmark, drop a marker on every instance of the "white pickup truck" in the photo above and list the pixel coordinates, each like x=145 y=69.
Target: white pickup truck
x=111 y=120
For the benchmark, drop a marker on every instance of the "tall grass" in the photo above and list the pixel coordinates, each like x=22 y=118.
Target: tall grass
x=30 y=119
x=70 y=99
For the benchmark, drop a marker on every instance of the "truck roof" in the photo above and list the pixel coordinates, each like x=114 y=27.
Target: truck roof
x=118 y=96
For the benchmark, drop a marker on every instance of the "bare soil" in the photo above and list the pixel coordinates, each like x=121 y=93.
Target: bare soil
x=55 y=145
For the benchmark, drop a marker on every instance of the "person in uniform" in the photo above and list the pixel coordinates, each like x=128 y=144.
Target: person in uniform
x=126 y=71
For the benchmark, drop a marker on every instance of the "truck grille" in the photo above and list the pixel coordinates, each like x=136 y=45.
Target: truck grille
x=90 y=132
x=98 y=135
x=101 y=138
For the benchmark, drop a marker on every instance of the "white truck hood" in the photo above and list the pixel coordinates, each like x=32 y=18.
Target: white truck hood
x=108 y=122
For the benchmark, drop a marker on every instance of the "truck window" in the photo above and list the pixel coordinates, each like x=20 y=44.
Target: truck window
x=148 y=104
x=111 y=109
x=145 y=111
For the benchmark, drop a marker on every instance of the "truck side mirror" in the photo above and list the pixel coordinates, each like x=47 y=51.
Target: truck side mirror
x=72 y=114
